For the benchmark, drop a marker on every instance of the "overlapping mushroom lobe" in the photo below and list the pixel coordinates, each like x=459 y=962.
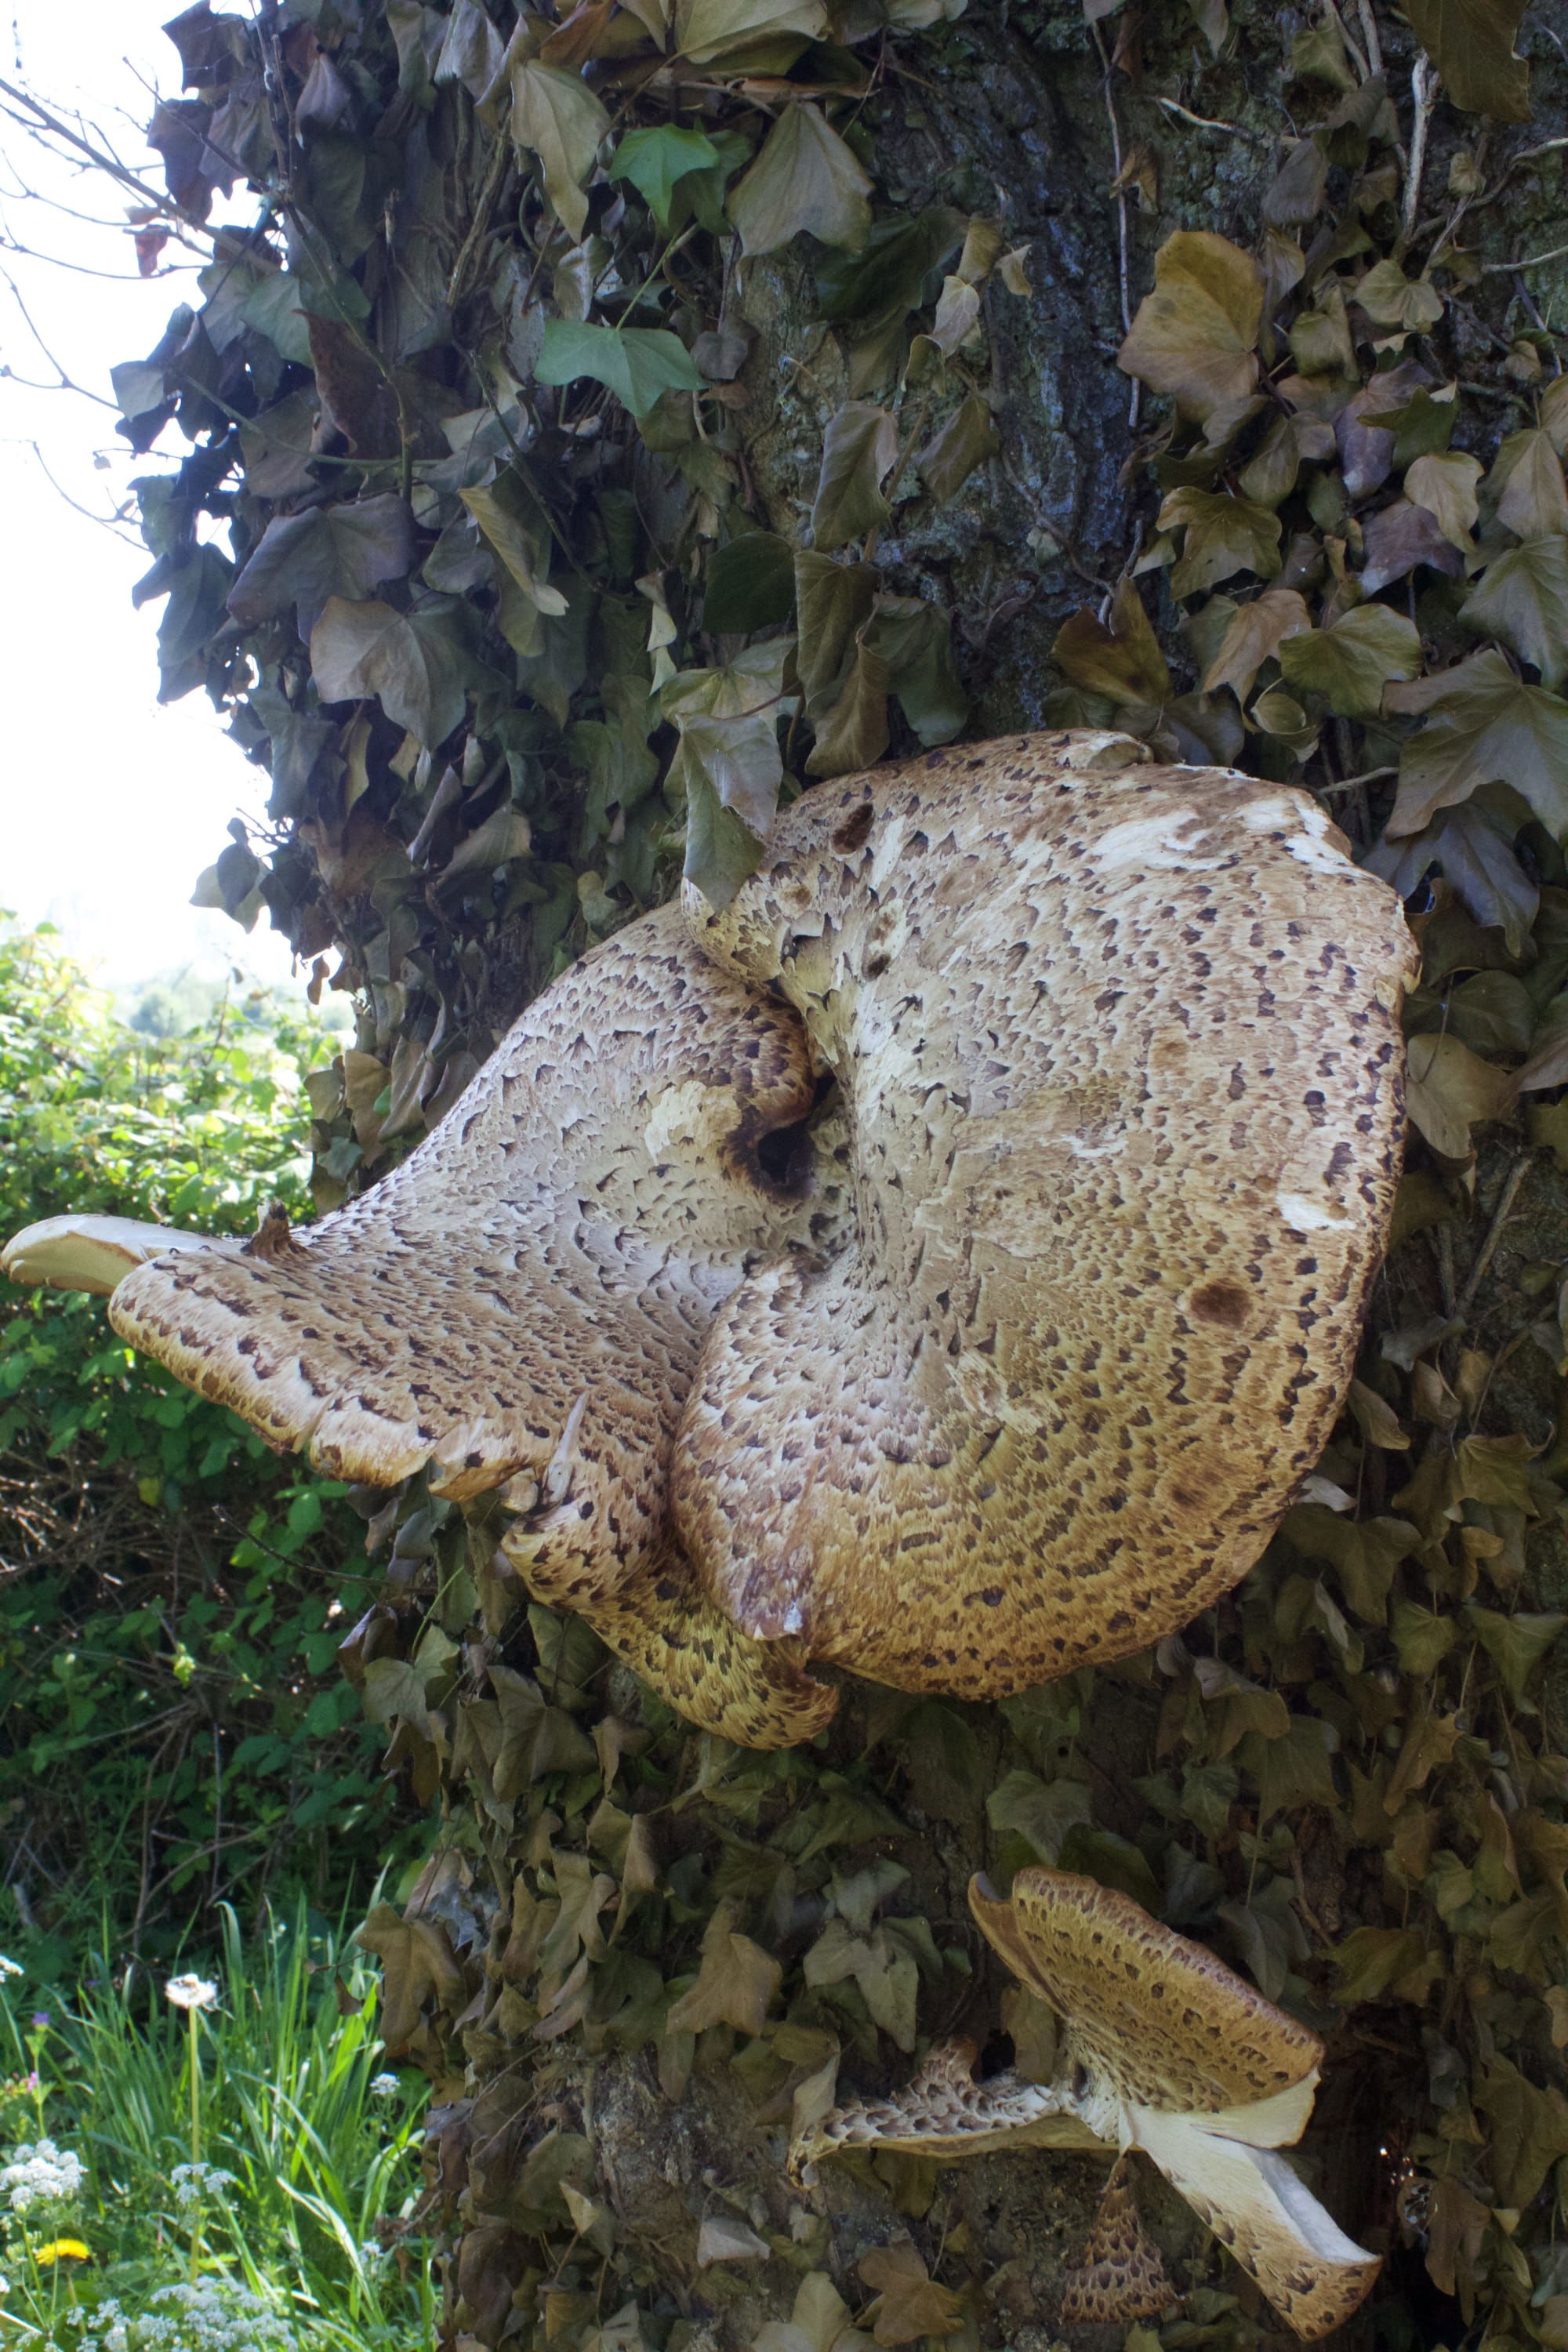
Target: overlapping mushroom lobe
x=1119 y=1059
x=526 y=1295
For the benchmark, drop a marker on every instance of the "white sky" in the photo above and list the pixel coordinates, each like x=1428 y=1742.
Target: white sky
x=110 y=807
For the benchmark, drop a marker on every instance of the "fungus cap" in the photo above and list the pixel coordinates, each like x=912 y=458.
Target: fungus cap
x=1163 y=2049
x=1005 y=1359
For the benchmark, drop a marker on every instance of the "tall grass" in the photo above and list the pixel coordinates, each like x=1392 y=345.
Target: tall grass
x=276 y=2087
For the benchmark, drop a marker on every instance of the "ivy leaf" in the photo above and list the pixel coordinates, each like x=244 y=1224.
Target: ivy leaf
x=1516 y=1644
x=1486 y=726
x=1529 y=2129
x=916 y=640
x=859 y=449
x=1041 y=1812
x=852 y=731
x=804 y=178
x=655 y=157
x=728 y=762
x=1122 y=662
x=1474 y=848
x=735 y=1983
x=969 y=438
x=712 y=28
x=638 y=364
x=510 y=543
x=1194 y=335
x=1526 y=481
x=558 y=116
x=304 y=559
x=833 y=602
x=750 y=584
x=1443 y=482
x=1524 y=599
x=1470 y=42
x=1224 y=535
x=1449 y=1090
x=908 y=2303
x=1255 y=631
x=415 y=665
x=1400 y=536
x=1351 y=662
x=1392 y=299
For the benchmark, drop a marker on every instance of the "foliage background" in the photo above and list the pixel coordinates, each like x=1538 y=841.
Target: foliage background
x=616 y=418
x=171 y=1595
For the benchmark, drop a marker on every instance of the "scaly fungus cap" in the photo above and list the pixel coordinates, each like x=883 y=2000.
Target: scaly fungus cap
x=1005 y=1360
x=1163 y=2049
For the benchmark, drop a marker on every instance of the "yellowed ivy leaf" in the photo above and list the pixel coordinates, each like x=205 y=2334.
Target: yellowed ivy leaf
x=1450 y=1089
x=1522 y=598
x=1372 y=1959
x=1457 y=2225
x=1392 y=299
x=558 y=116
x=1526 y=482
x=859 y=449
x=510 y=541
x=708 y=29
x=1122 y=662
x=968 y=439
x=735 y=1983
x=1224 y=535
x=957 y=310
x=852 y=731
x=1516 y=1644
x=1530 y=2130
x=1470 y=42
x=1377 y=1420
x=1013 y=269
x=983 y=244
x=1422 y=1638
x=1429 y=1740
x=1194 y=335
x=1443 y=482
x=908 y=2303
x=1255 y=631
x=804 y=178
x=1554 y=413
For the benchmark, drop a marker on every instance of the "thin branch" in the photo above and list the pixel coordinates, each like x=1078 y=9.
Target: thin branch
x=1352 y=47
x=110 y=522
x=1423 y=94
x=1123 y=262
x=1501 y=1214
x=1348 y=783
x=66 y=383
x=1370 y=36
x=1526 y=261
x=1208 y=122
x=100 y=158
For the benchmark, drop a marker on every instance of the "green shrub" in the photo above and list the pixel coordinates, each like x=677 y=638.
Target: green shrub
x=171 y=1723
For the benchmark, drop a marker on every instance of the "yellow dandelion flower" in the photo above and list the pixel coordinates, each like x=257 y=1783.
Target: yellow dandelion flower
x=72 y=2248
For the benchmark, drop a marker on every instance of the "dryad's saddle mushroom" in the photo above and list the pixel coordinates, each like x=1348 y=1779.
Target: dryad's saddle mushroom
x=941 y=1263
x=1161 y=2049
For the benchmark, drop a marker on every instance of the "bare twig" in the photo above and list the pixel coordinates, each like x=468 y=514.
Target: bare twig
x=1348 y=784
x=1370 y=36
x=1352 y=47
x=1525 y=261
x=1424 y=95
x=1501 y=1214
x=1124 y=264
x=1208 y=122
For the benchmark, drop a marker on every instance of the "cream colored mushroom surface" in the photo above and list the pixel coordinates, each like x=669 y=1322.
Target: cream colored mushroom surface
x=1003 y=1355
x=1163 y=2049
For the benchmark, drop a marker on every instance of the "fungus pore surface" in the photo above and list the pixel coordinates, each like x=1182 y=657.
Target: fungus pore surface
x=941 y=1263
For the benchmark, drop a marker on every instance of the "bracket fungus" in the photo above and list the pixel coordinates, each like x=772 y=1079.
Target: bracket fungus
x=941 y=1263
x=1161 y=2049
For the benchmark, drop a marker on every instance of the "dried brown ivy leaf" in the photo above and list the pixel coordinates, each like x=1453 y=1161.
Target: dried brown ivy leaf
x=1399 y=537
x=1450 y=1089
x=968 y=439
x=1392 y=299
x=804 y=178
x=1526 y=482
x=415 y=664
x=1256 y=632
x=735 y=1983
x=557 y=116
x=908 y=2303
x=708 y=30
x=1443 y=482
x=1122 y=662
x=1194 y=335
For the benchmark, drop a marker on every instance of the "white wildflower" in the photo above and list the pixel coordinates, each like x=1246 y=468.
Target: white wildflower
x=195 y=2183
x=384 y=2086
x=191 y=1992
x=10 y=1967
x=211 y=2314
x=41 y=2174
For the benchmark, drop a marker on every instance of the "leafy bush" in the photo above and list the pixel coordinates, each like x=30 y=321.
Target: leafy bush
x=172 y=1595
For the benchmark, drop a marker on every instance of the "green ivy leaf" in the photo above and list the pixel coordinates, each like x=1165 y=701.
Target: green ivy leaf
x=638 y=364
x=336 y=550
x=1350 y=663
x=653 y=158
x=804 y=178
x=750 y=584
x=1524 y=599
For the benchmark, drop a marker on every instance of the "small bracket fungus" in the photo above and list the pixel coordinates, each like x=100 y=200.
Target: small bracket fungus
x=943 y=1263
x=1163 y=2049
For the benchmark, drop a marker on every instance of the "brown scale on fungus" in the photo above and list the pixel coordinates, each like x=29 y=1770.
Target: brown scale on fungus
x=721 y=1186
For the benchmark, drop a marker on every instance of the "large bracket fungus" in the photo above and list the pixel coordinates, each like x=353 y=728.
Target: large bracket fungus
x=942 y=1262
x=1160 y=2049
